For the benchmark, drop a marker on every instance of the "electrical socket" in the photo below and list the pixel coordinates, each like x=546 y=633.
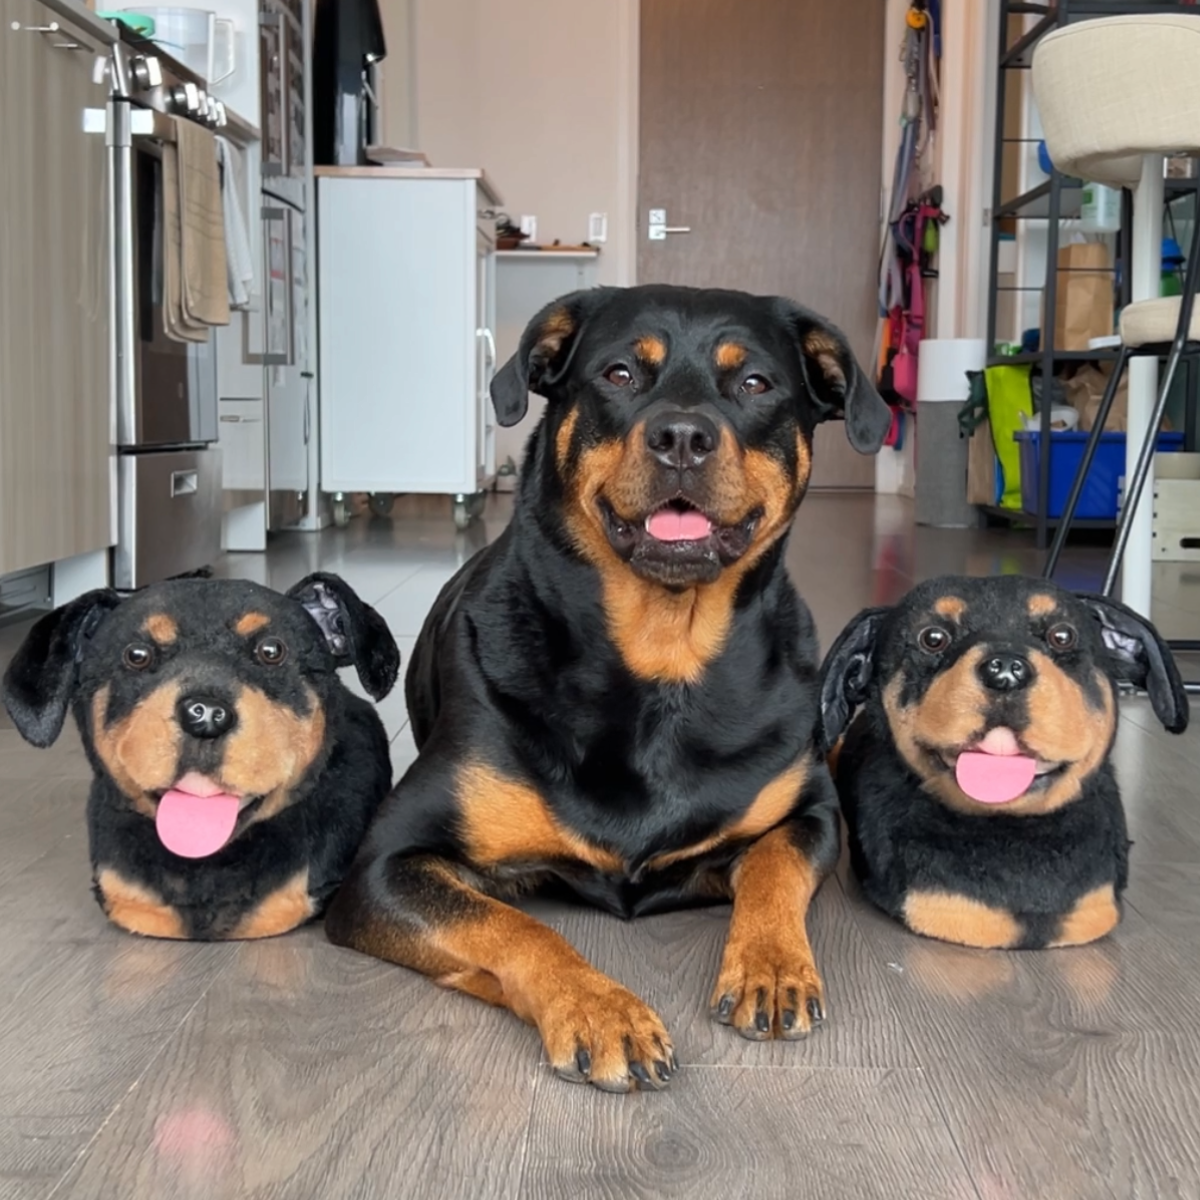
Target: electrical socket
x=597 y=228
x=529 y=228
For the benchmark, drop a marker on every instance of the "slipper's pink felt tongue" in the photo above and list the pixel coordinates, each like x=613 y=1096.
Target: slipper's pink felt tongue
x=671 y=525
x=195 y=820
x=996 y=771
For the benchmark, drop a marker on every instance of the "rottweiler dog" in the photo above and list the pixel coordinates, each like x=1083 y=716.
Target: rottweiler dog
x=235 y=774
x=617 y=698
x=976 y=782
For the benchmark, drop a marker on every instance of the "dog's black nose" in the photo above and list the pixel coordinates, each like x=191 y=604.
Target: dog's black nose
x=204 y=717
x=681 y=440
x=1005 y=672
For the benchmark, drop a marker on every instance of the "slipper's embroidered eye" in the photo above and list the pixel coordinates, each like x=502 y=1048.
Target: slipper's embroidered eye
x=138 y=657
x=933 y=639
x=619 y=376
x=1061 y=636
x=270 y=652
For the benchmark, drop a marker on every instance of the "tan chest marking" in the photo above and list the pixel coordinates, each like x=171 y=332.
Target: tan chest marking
x=954 y=918
x=1094 y=915
x=502 y=820
x=137 y=908
x=278 y=912
x=767 y=809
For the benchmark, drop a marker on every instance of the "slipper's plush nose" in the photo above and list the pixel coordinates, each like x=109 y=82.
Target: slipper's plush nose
x=205 y=716
x=1005 y=672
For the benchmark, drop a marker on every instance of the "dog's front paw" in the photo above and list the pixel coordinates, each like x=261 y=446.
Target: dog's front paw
x=767 y=989
x=597 y=1032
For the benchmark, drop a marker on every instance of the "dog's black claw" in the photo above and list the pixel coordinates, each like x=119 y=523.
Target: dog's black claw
x=662 y=1070
x=815 y=1011
x=640 y=1073
x=789 y=1018
x=725 y=1008
x=583 y=1060
x=762 y=1022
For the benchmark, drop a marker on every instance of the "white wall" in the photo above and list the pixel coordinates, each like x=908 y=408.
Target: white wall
x=540 y=93
x=962 y=165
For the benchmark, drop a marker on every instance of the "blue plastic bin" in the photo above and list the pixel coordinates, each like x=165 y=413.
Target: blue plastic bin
x=1098 y=500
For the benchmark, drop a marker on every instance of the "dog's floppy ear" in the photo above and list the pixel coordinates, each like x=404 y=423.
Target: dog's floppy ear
x=42 y=675
x=846 y=674
x=1137 y=655
x=836 y=384
x=545 y=352
x=355 y=632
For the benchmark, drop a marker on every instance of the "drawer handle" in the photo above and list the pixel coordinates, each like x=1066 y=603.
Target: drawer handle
x=184 y=483
x=53 y=27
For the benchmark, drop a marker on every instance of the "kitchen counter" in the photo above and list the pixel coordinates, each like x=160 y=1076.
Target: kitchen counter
x=82 y=16
x=396 y=172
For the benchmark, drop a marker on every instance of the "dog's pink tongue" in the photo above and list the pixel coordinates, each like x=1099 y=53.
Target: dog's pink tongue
x=195 y=819
x=996 y=771
x=671 y=525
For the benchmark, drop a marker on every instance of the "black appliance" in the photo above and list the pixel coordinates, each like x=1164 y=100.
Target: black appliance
x=348 y=44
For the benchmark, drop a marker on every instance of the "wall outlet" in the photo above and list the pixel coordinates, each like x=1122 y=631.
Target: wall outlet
x=597 y=228
x=529 y=228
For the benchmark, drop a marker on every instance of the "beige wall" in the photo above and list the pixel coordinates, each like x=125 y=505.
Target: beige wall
x=541 y=93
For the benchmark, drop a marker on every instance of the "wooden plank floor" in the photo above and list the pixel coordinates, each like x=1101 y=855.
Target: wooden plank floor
x=291 y=1069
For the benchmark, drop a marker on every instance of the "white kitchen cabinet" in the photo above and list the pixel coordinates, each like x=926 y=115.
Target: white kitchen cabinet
x=56 y=439
x=406 y=302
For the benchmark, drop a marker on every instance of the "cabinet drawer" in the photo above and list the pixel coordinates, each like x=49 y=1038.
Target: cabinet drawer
x=243 y=445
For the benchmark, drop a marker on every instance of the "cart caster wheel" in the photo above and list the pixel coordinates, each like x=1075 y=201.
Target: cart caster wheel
x=476 y=504
x=462 y=513
x=341 y=511
x=381 y=503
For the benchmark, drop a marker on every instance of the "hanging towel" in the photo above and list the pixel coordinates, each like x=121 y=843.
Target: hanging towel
x=238 y=255
x=175 y=324
x=204 y=277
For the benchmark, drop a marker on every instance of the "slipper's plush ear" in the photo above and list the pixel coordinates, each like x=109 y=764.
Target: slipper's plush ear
x=355 y=632
x=545 y=353
x=41 y=678
x=837 y=386
x=1137 y=655
x=846 y=675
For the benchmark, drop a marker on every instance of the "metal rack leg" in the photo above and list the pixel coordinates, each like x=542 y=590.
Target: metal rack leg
x=1085 y=465
x=1134 y=486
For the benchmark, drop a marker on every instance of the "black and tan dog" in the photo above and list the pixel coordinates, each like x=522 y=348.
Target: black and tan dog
x=617 y=698
x=976 y=782
x=235 y=775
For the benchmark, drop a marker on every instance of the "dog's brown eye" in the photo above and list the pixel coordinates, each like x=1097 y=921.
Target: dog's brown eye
x=138 y=657
x=270 y=652
x=619 y=376
x=755 y=385
x=933 y=640
x=1061 y=637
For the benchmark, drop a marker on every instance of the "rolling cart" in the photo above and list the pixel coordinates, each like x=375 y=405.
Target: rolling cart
x=407 y=302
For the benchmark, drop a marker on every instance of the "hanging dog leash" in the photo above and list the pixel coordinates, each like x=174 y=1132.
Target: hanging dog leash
x=913 y=219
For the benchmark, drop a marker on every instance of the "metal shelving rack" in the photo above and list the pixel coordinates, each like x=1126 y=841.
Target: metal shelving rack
x=1055 y=199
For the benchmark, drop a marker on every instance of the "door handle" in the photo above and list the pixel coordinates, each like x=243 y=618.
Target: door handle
x=658 y=228
x=184 y=483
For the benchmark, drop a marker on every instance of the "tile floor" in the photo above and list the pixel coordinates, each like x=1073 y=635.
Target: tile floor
x=290 y=1068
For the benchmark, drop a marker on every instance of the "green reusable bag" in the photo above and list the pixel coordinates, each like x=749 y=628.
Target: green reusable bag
x=1009 y=400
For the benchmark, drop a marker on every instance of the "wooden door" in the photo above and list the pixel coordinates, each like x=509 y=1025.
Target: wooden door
x=55 y=444
x=761 y=130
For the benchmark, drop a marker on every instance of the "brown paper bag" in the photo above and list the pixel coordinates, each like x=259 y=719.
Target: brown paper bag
x=1084 y=305
x=1085 y=390
x=981 y=465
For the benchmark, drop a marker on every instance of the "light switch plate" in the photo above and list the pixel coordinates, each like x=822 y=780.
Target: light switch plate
x=529 y=227
x=597 y=228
